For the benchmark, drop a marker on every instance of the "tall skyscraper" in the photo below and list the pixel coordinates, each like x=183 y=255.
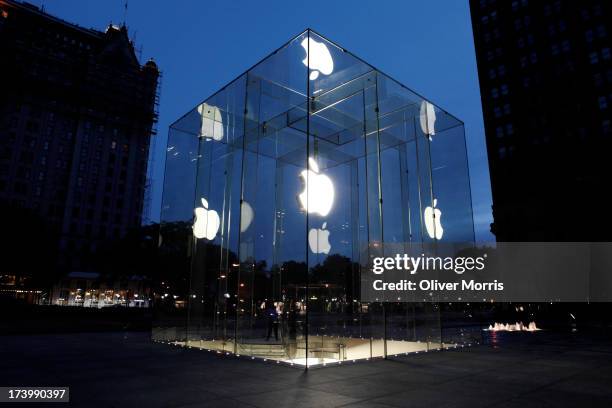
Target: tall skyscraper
x=77 y=112
x=545 y=70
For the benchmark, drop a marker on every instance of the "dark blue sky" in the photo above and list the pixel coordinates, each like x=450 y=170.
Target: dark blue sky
x=202 y=45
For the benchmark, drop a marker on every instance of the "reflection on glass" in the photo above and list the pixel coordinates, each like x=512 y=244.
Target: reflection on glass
x=206 y=222
x=428 y=119
x=318 y=194
x=433 y=221
x=212 y=122
x=246 y=216
x=318 y=240
x=320 y=58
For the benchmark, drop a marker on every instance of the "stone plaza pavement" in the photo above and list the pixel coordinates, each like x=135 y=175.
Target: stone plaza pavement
x=128 y=370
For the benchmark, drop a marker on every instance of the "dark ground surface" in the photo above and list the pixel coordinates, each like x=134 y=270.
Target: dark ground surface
x=19 y=318
x=127 y=370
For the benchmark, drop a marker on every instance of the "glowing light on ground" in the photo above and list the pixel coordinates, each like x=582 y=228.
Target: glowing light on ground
x=518 y=326
x=312 y=361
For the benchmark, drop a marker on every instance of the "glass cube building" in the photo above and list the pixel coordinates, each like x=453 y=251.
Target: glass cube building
x=278 y=190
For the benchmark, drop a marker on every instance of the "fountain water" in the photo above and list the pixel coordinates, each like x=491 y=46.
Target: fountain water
x=518 y=326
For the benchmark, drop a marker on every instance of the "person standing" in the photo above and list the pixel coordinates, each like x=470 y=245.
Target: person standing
x=272 y=318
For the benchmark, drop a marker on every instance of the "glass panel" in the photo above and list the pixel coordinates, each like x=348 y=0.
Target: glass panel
x=451 y=189
x=451 y=185
x=214 y=274
x=272 y=280
x=330 y=66
x=344 y=217
x=176 y=239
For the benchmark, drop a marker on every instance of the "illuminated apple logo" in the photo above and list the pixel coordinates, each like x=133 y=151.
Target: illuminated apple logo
x=318 y=240
x=318 y=194
x=428 y=119
x=433 y=221
x=320 y=58
x=212 y=122
x=246 y=216
x=206 y=223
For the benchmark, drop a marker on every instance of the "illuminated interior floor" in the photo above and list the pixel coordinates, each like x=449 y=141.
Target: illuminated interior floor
x=323 y=350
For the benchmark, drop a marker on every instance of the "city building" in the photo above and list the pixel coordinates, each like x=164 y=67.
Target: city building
x=91 y=289
x=281 y=187
x=545 y=70
x=77 y=113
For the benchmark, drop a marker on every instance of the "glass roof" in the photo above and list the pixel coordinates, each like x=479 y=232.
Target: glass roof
x=312 y=70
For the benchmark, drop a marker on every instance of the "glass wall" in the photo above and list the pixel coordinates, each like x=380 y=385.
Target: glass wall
x=273 y=207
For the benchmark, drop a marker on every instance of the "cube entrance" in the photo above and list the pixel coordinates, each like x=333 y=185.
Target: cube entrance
x=278 y=190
